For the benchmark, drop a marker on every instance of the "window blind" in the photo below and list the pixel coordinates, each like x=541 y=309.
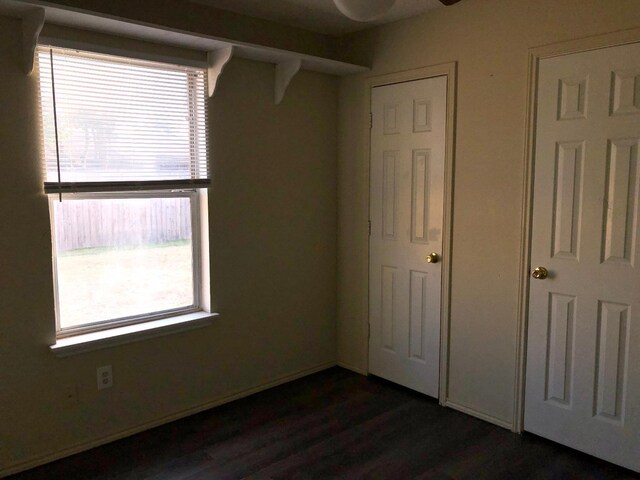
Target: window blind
x=115 y=123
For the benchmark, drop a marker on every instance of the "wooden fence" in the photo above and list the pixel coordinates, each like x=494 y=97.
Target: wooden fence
x=121 y=223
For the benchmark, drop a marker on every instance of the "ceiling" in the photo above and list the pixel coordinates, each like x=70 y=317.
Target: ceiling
x=318 y=15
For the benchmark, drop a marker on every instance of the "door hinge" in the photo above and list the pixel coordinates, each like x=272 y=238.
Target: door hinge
x=370 y=120
x=368 y=331
x=369 y=227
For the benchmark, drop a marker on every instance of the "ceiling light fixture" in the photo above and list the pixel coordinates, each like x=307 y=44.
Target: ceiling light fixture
x=364 y=10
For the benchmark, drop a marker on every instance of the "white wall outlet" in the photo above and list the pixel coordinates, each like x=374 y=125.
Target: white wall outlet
x=105 y=377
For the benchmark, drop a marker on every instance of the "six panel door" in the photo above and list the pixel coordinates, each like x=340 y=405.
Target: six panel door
x=583 y=351
x=406 y=212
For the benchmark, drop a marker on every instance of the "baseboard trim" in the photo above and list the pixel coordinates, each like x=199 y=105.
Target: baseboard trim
x=478 y=414
x=352 y=368
x=81 y=447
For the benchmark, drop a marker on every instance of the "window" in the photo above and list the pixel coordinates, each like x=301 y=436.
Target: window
x=125 y=163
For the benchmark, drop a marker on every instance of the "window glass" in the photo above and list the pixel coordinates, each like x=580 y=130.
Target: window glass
x=122 y=257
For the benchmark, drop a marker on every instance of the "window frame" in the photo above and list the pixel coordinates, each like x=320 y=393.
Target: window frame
x=195 y=200
x=91 y=335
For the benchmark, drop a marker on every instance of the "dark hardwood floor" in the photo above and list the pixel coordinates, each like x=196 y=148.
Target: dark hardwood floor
x=334 y=424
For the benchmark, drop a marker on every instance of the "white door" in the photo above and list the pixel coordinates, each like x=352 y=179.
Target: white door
x=406 y=212
x=583 y=351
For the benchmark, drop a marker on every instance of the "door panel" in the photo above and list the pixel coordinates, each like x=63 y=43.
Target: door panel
x=583 y=351
x=407 y=185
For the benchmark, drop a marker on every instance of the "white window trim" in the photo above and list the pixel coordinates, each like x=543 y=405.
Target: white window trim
x=87 y=342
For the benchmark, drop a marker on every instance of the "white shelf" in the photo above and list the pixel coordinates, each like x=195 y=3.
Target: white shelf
x=98 y=22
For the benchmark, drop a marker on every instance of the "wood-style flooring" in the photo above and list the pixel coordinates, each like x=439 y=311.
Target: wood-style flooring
x=334 y=424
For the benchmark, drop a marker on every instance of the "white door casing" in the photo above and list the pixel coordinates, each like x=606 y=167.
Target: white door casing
x=583 y=347
x=407 y=177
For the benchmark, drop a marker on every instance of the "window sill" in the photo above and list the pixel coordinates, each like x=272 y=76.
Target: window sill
x=87 y=342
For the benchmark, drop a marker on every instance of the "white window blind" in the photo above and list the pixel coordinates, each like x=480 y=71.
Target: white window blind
x=113 y=123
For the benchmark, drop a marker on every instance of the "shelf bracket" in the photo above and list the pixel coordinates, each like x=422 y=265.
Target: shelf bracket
x=32 y=23
x=285 y=71
x=216 y=61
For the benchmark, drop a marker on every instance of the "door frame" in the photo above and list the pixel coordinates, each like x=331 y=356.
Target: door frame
x=448 y=70
x=536 y=54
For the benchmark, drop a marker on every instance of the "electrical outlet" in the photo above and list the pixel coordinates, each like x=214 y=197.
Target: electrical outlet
x=105 y=377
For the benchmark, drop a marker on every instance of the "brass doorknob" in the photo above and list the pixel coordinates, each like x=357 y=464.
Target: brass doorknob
x=540 y=273
x=433 y=258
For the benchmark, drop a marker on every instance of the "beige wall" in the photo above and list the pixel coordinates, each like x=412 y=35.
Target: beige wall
x=273 y=263
x=490 y=40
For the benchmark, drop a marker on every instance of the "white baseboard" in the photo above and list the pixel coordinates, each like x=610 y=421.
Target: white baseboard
x=482 y=416
x=352 y=368
x=81 y=447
